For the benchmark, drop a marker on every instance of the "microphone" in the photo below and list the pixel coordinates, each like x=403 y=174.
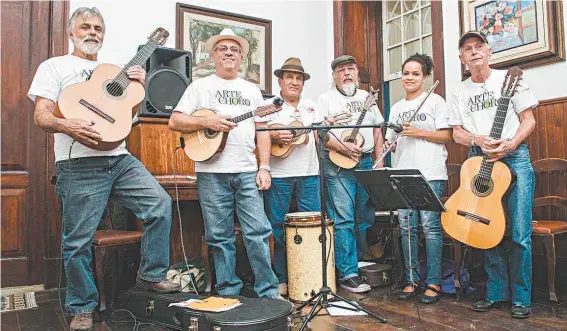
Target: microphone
x=278 y=101
x=396 y=127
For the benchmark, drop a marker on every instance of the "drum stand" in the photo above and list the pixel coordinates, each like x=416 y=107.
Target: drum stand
x=321 y=299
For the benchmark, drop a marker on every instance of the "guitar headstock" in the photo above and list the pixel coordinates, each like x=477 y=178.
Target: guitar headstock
x=266 y=110
x=371 y=98
x=511 y=82
x=339 y=118
x=159 y=36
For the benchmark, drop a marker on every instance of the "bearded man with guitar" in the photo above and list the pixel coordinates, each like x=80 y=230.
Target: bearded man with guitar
x=347 y=201
x=229 y=179
x=473 y=107
x=87 y=177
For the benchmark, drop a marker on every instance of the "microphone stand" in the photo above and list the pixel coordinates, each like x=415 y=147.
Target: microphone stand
x=321 y=300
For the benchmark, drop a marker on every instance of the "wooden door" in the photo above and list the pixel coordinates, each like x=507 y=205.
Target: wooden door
x=27 y=40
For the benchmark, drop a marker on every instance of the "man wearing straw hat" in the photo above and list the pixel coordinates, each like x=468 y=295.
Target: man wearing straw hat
x=298 y=171
x=231 y=179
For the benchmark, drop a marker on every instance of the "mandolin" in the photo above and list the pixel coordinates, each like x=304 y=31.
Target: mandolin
x=203 y=144
x=109 y=97
x=475 y=212
x=300 y=136
x=353 y=136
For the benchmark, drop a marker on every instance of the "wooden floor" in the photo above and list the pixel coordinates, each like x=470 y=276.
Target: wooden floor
x=448 y=314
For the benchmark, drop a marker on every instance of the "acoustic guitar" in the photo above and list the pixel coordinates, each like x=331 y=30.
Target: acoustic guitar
x=203 y=144
x=352 y=135
x=475 y=212
x=300 y=136
x=109 y=97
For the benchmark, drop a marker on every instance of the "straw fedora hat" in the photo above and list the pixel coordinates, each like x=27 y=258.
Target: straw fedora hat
x=292 y=64
x=227 y=33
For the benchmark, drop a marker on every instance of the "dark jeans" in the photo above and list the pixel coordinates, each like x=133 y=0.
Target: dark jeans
x=84 y=186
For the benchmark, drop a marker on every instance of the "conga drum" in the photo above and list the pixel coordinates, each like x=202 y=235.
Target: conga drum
x=303 y=248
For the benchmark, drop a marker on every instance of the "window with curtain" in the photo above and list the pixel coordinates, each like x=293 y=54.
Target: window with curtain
x=407 y=30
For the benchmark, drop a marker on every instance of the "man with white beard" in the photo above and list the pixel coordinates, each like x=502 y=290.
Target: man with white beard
x=87 y=178
x=347 y=201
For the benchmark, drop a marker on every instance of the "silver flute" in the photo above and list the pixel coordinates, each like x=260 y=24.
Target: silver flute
x=395 y=139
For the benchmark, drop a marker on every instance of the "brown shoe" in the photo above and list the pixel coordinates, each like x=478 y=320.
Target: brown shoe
x=165 y=286
x=82 y=322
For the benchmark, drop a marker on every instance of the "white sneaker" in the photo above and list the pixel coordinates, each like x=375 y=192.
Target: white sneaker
x=282 y=288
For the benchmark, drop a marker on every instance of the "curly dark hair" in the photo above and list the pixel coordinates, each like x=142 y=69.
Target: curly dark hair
x=425 y=60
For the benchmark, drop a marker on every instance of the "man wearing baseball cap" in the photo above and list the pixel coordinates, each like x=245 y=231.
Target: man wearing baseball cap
x=473 y=106
x=231 y=180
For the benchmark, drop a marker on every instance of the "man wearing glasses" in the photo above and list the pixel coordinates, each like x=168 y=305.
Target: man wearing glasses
x=231 y=179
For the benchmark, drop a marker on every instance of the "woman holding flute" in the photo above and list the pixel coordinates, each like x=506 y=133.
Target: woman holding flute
x=421 y=145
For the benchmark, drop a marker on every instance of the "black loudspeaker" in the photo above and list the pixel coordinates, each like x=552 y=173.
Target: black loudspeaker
x=168 y=75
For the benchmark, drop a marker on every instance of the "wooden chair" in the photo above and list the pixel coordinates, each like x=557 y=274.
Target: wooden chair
x=104 y=243
x=548 y=229
x=453 y=174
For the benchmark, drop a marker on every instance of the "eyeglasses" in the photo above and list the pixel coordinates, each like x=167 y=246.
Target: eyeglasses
x=224 y=49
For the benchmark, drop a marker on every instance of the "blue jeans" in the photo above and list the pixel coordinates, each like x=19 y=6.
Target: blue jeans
x=276 y=203
x=514 y=253
x=431 y=224
x=84 y=186
x=349 y=206
x=219 y=194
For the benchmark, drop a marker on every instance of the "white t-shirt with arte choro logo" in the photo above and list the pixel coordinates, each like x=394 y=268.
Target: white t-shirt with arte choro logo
x=233 y=97
x=418 y=153
x=303 y=158
x=473 y=105
x=333 y=102
x=52 y=76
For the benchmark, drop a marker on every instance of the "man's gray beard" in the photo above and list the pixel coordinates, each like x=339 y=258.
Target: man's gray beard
x=349 y=89
x=86 y=48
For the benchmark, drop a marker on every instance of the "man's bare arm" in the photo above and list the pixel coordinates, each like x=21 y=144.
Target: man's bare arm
x=77 y=129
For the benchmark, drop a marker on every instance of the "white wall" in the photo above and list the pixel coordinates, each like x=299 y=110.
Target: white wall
x=301 y=29
x=547 y=82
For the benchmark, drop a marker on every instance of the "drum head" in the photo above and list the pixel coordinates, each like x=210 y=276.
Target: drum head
x=303 y=216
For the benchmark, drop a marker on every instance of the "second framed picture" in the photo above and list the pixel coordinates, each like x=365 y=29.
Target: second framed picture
x=195 y=25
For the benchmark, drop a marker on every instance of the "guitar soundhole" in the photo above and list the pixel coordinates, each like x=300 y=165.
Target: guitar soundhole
x=482 y=186
x=114 y=89
x=210 y=134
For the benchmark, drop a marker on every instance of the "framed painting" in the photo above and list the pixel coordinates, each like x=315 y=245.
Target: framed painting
x=195 y=25
x=520 y=33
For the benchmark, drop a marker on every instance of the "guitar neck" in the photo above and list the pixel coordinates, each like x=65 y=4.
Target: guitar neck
x=498 y=124
x=495 y=133
x=359 y=122
x=139 y=60
x=242 y=117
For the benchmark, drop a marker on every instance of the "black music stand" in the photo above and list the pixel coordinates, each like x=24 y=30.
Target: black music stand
x=393 y=189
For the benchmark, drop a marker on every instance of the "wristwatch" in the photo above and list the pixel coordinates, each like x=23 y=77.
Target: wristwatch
x=266 y=167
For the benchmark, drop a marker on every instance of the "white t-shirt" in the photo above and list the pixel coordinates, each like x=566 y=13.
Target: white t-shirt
x=52 y=76
x=227 y=97
x=473 y=105
x=303 y=159
x=417 y=153
x=333 y=101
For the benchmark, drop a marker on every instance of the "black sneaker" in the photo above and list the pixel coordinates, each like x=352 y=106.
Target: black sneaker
x=355 y=284
x=519 y=311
